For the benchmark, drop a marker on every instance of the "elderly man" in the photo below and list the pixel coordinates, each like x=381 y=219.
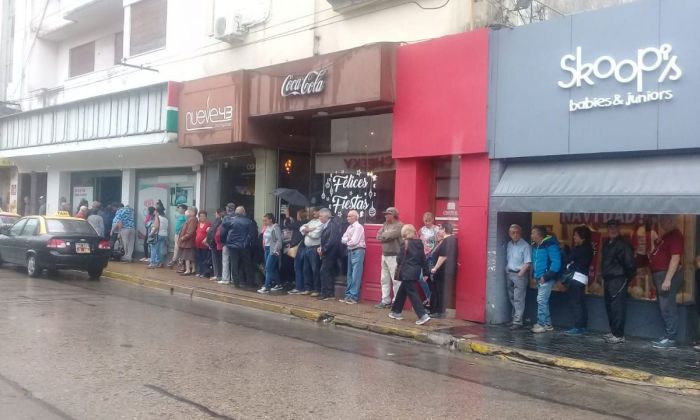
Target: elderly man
x=390 y=237
x=328 y=251
x=237 y=232
x=518 y=260
x=665 y=264
x=354 y=239
x=312 y=265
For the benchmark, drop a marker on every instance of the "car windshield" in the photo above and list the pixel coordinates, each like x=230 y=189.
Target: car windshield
x=8 y=219
x=69 y=226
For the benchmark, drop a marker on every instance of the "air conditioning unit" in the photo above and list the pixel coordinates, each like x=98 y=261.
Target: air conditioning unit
x=229 y=29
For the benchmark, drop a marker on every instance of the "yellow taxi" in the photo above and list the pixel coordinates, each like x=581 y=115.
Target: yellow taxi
x=54 y=242
x=7 y=218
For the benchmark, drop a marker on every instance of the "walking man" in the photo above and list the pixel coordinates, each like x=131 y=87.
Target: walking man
x=546 y=261
x=665 y=264
x=518 y=261
x=124 y=224
x=312 y=263
x=329 y=251
x=618 y=267
x=390 y=237
x=354 y=239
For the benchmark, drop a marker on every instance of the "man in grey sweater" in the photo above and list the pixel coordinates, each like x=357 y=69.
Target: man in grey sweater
x=390 y=237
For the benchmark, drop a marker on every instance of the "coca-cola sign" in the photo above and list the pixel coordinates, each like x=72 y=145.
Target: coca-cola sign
x=314 y=82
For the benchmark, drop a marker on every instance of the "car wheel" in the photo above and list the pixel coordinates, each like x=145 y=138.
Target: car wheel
x=33 y=269
x=95 y=273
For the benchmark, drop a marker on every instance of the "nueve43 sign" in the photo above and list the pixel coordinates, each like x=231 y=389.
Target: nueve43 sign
x=648 y=61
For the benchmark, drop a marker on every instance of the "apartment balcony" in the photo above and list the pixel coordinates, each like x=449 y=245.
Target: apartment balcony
x=73 y=18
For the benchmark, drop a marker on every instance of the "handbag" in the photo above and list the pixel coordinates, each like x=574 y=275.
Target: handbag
x=292 y=251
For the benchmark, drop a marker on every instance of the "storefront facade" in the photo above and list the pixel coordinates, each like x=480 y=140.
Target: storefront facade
x=442 y=162
x=321 y=126
x=588 y=123
x=120 y=147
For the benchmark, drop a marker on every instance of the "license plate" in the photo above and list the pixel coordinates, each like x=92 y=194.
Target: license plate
x=82 y=248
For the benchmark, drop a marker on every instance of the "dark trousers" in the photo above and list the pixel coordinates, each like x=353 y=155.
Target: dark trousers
x=577 y=295
x=327 y=277
x=437 y=292
x=616 y=304
x=410 y=288
x=241 y=267
x=312 y=269
x=202 y=259
x=216 y=262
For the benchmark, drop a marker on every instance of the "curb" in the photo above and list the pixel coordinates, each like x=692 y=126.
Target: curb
x=459 y=344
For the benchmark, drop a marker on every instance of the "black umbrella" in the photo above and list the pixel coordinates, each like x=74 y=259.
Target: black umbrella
x=291 y=196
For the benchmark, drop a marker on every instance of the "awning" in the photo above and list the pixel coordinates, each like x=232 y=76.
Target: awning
x=159 y=150
x=651 y=185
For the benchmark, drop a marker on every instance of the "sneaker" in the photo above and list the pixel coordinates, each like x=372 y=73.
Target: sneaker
x=214 y=278
x=277 y=288
x=223 y=282
x=615 y=340
x=315 y=294
x=382 y=305
x=513 y=327
x=327 y=298
x=343 y=300
x=304 y=292
x=264 y=291
x=608 y=336
x=396 y=316
x=575 y=332
x=537 y=328
x=664 y=343
x=697 y=348
x=425 y=318
x=351 y=301
x=294 y=292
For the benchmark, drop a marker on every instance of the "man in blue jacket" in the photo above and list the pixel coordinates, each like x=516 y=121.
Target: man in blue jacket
x=237 y=231
x=546 y=263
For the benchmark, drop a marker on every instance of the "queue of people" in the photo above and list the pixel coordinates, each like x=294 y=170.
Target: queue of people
x=543 y=260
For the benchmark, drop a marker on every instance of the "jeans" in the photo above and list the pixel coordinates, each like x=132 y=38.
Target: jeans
x=616 y=304
x=216 y=262
x=356 y=263
x=202 y=258
x=410 y=289
x=272 y=270
x=543 y=292
x=299 y=269
x=667 y=301
x=517 y=289
x=226 y=264
x=312 y=269
x=577 y=294
x=156 y=250
x=388 y=271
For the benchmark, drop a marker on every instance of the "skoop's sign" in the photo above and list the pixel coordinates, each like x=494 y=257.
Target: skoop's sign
x=649 y=63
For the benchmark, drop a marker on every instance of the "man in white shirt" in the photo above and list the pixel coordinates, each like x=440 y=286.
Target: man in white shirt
x=312 y=261
x=518 y=260
x=354 y=239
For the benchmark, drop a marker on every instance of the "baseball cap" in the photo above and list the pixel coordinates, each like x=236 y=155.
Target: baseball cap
x=613 y=222
x=391 y=210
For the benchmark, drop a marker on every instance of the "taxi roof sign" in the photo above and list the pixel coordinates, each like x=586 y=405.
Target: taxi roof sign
x=62 y=214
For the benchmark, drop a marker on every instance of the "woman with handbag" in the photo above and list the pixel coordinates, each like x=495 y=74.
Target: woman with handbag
x=411 y=263
x=157 y=239
x=186 y=242
x=576 y=278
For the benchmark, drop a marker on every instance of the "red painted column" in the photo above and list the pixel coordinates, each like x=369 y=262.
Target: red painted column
x=371 y=289
x=415 y=189
x=470 y=289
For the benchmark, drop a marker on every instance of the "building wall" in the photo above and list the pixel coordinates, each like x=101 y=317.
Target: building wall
x=279 y=31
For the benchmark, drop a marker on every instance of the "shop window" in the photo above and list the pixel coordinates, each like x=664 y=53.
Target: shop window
x=642 y=232
x=238 y=182
x=82 y=59
x=149 y=20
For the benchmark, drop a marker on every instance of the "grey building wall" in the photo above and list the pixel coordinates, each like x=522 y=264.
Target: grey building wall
x=529 y=113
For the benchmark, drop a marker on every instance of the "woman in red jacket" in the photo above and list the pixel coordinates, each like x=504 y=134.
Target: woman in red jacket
x=186 y=242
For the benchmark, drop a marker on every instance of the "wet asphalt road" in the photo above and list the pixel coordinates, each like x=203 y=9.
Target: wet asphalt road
x=75 y=349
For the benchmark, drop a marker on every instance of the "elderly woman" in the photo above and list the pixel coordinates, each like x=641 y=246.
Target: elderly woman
x=411 y=264
x=445 y=269
x=186 y=241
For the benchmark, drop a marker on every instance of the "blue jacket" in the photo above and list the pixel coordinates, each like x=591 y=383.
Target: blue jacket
x=237 y=231
x=546 y=258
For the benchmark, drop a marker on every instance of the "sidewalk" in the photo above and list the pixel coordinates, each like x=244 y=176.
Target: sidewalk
x=635 y=361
